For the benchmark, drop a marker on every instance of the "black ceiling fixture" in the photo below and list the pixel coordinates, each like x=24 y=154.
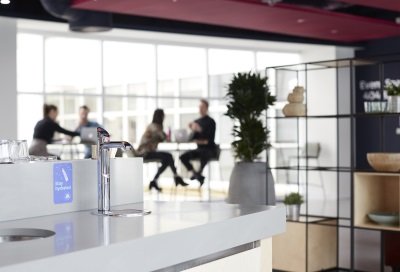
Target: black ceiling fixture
x=79 y=20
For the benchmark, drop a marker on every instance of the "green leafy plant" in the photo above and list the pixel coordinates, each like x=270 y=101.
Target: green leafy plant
x=248 y=97
x=392 y=89
x=293 y=199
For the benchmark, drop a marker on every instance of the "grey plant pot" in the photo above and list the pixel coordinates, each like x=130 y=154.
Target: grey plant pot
x=247 y=184
x=293 y=212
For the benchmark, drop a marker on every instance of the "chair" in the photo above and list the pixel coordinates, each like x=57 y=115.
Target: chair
x=309 y=151
x=217 y=153
x=215 y=158
x=312 y=152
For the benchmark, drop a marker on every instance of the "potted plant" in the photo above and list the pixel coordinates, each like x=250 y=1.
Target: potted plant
x=292 y=202
x=393 y=91
x=248 y=99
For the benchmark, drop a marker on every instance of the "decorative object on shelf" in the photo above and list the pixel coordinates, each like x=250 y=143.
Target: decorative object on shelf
x=375 y=106
x=295 y=107
x=393 y=91
x=385 y=218
x=248 y=98
x=385 y=162
x=292 y=202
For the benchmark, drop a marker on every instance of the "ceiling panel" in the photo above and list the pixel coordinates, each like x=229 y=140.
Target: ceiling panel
x=254 y=15
x=393 y=5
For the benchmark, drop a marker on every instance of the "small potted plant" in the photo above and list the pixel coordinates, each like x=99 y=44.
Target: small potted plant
x=293 y=202
x=393 y=91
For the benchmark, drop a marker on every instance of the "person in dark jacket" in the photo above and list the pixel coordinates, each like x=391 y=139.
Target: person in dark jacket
x=44 y=131
x=203 y=133
x=84 y=122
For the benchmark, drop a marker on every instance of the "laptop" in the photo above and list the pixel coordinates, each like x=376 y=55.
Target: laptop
x=89 y=135
x=181 y=136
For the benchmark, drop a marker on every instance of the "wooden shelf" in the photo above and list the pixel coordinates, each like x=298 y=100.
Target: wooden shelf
x=311 y=219
x=373 y=192
x=378 y=227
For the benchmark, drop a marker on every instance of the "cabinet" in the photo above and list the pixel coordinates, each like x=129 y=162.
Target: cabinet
x=322 y=155
x=321 y=240
x=375 y=192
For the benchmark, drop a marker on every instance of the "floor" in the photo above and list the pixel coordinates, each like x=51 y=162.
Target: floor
x=216 y=192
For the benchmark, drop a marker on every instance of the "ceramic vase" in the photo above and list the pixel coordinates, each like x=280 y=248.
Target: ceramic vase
x=394 y=103
x=248 y=184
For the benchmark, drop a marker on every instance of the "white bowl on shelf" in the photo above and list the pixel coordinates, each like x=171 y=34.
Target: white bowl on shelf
x=385 y=162
x=384 y=218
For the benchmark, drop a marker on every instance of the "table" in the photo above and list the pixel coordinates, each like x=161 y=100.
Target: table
x=66 y=149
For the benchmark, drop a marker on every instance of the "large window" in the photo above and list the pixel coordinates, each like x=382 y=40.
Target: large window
x=29 y=81
x=30 y=63
x=72 y=76
x=123 y=82
x=128 y=79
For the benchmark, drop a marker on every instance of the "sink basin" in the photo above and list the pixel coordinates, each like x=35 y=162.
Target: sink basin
x=14 y=235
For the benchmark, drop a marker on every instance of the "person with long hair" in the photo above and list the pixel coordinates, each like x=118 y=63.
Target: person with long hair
x=44 y=131
x=153 y=135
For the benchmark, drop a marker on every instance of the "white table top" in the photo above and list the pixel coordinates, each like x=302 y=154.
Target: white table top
x=175 y=232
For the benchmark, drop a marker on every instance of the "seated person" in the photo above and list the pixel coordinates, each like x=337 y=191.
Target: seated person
x=44 y=131
x=203 y=133
x=153 y=135
x=84 y=122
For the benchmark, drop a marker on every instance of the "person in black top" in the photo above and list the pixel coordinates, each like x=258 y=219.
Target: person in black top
x=44 y=131
x=203 y=133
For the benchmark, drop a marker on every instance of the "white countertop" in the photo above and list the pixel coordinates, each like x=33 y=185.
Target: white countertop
x=175 y=232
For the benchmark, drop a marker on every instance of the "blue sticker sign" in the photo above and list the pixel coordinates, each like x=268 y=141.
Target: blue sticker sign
x=62 y=181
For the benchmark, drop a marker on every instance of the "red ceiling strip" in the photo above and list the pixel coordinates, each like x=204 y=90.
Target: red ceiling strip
x=248 y=14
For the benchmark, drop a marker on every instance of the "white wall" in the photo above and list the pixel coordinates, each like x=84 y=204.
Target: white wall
x=322 y=53
x=8 y=78
x=322 y=100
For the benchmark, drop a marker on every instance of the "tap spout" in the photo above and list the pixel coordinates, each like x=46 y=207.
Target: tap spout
x=104 y=145
x=103 y=163
x=109 y=145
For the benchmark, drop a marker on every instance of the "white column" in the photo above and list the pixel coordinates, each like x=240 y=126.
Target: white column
x=8 y=78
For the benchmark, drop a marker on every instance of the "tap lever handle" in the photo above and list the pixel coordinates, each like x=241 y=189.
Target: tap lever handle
x=102 y=135
x=102 y=132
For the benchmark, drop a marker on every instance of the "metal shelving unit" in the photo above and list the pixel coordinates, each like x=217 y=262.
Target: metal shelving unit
x=334 y=116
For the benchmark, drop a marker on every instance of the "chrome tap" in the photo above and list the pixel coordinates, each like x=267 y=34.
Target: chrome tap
x=103 y=167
